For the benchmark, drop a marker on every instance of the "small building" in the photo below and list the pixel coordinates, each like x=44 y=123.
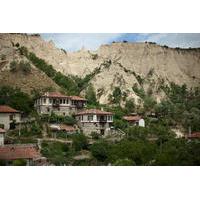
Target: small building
x=9 y=117
x=194 y=135
x=62 y=128
x=135 y=120
x=93 y=120
x=59 y=103
x=27 y=152
x=2 y=136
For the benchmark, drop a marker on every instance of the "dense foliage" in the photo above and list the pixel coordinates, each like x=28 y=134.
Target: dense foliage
x=15 y=98
x=181 y=107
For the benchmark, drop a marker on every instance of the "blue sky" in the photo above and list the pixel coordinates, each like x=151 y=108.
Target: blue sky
x=91 y=41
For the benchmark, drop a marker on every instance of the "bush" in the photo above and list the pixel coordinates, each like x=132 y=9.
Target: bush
x=25 y=67
x=116 y=95
x=19 y=162
x=3 y=57
x=80 y=142
x=13 y=66
x=100 y=151
x=94 y=56
x=95 y=135
x=15 y=98
x=130 y=106
x=55 y=152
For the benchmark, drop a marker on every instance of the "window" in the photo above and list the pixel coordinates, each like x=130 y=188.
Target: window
x=60 y=101
x=67 y=102
x=48 y=109
x=44 y=100
x=81 y=117
x=109 y=118
x=63 y=101
x=50 y=100
x=90 y=117
x=11 y=117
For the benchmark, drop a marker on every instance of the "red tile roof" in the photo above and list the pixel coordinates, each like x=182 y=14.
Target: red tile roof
x=194 y=135
x=7 y=109
x=94 y=111
x=55 y=94
x=132 y=118
x=67 y=128
x=2 y=131
x=19 y=151
x=78 y=98
x=59 y=95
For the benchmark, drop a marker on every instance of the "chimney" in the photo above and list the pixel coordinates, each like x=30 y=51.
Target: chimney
x=189 y=131
x=39 y=144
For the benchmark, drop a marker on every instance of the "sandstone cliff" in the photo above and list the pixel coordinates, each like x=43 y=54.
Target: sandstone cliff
x=121 y=64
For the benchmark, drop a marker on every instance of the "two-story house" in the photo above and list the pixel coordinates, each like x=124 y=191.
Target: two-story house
x=59 y=104
x=9 y=117
x=93 y=120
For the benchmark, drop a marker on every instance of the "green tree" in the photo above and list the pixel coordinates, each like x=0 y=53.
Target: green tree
x=15 y=98
x=130 y=105
x=90 y=95
x=100 y=150
x=80 y=142
x=116 y=95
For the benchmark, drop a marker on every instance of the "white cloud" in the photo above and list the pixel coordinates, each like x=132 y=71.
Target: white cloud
x=91 y=41
x=183 y=40
x=75 y=41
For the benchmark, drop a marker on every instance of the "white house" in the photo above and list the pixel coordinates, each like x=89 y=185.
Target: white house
x=59 y=104
x=8 y=117
x=93 y=120
x=135 y=120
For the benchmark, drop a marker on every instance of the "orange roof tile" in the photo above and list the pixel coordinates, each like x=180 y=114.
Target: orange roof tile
x=194 y=135
x=2 y=131
x=59 y=95
x=55 y=94
x=7 y=109
x=19 y=151
x=65 y=127
x=94 y=111
x=132 y=118
x=78 y=98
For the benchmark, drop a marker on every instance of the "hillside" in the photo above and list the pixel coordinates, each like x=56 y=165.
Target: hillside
x=27 y=81
x=144 y=66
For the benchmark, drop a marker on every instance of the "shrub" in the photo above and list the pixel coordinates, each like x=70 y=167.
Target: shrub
x=3 y=57
x=100 y=151
x=130 y=106
x=15 y=98
x=25 y=67
x=94 y=56
x=19 y=162
x=79 y=142
x=116 y=95
x=17 y=44
x=95 y=135
x=13 y=66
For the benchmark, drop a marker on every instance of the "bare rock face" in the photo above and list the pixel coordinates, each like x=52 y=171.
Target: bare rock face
x=121 y=64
